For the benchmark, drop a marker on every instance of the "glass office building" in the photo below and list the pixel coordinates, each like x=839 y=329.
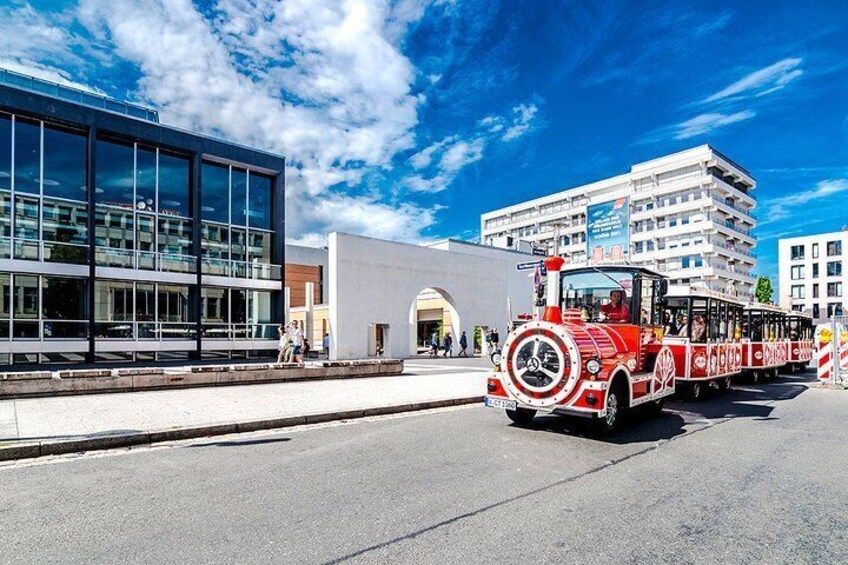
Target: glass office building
x=123 y=239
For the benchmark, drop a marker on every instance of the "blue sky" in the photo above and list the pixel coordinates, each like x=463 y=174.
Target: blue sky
x=408 y=119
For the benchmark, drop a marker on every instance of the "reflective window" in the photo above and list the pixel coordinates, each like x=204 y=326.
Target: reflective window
x=174 y=236
x=261 y=307
x=113 y=301
x=259 y=207
x=239 y=198
x=5 y=214
x=145 y=302
x=5 y=151
x=26 y=297
x=215 y=305
x=64 y=228
x=5 y=304
x=64 y=163
x=238 y=308
x=215 y=190
x=64 y=298
x=114 y=174
x=173 y=185
x=113 y=228
x=145 y=178
x=26 y=217
x=173 y=303
x=215 y=248
x=113 y=309
x=260 y=247
x=27 y=155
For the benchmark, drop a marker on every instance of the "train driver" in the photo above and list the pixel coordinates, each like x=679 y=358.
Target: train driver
x=617 y=310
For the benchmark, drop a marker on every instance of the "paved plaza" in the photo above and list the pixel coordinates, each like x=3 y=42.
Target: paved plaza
x=74 y=417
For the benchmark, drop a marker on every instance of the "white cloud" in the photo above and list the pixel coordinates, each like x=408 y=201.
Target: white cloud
x=782 y=207
x=524 y=115
x=28 y=38
x=461 y=154
x=424 y=158
x=322 y=82
x=707 y=123
x=763 y=81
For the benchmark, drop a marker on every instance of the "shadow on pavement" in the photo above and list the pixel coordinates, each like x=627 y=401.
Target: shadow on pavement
x=744 y=400
x=242 y=443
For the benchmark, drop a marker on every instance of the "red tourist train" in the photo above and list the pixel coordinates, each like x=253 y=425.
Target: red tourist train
x=800 y=329
x=612 y=338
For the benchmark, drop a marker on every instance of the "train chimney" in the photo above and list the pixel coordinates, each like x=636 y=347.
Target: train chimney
x=553 y=311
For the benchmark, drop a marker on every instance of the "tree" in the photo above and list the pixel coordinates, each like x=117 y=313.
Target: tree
x=764 y=290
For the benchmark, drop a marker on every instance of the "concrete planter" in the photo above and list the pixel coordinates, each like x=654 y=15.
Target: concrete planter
x=89 y=381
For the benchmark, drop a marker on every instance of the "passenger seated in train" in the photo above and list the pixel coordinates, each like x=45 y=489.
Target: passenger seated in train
x=617 y=311
x=699 y=328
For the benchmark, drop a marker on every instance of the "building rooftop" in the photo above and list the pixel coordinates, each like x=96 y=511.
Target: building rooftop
x=87 y=98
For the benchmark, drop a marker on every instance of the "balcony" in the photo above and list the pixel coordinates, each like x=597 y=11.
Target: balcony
x=47 y=251
x=241 y=269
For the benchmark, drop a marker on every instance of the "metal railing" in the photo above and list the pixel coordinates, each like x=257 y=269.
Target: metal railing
x=160 y=331
x=79 y=96
x=145 y=260
x=40 y=330
x=41 y=250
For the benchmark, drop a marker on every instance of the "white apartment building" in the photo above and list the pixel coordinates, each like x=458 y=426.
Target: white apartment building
x=690 y=217
x=812 y=275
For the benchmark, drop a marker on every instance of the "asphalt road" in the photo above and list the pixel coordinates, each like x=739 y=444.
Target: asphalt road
x=759 y=475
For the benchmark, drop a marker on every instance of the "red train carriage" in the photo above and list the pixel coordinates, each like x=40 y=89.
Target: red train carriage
x=765 y=347
x=596 y=352
x=799 y=330
x=703 y=330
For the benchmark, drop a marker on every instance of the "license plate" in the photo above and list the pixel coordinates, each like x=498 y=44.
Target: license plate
x=499 y=403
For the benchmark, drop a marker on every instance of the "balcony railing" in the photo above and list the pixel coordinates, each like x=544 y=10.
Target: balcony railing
x=48 y=251
x=76 y=95
x=159 y=331
x=145 y=260
x=242 y=269
x=40 y=330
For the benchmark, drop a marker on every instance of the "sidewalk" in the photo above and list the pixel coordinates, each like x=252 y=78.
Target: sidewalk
x=45 y=426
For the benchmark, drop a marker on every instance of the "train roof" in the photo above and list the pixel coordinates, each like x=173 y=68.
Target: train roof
x=765 y=307
x=683 y=291
x=611 y=267
x=798 y=314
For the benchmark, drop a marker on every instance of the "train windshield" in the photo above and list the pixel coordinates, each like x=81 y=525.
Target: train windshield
x=601 y=296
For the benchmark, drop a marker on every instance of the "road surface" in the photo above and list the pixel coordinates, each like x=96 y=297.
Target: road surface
x=758 y=475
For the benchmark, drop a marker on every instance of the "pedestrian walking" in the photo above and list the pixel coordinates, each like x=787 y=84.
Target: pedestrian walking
x=448 y=345
x=326 y=345
x=496 y=339
x=434 y=345
x=463 y=346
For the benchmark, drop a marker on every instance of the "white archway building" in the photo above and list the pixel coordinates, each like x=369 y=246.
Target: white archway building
x=373 y=286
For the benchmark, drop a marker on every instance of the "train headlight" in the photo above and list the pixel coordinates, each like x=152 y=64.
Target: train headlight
x=593 y=366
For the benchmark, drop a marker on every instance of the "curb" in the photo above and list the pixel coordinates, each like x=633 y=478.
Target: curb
x=44 y=448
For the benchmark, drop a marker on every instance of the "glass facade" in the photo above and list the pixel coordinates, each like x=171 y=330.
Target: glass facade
x=140 y=234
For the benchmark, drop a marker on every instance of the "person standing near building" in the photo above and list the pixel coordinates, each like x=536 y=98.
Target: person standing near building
x=448 y=345
x=283 y=333
x=326 y=345
x=463 y=346
x=297 y=342
x=434 y=345
x=496 y=339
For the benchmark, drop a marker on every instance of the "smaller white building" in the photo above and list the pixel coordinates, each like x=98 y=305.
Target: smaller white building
x=812 y=276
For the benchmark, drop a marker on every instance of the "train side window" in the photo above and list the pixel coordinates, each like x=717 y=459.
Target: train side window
x=700 y=318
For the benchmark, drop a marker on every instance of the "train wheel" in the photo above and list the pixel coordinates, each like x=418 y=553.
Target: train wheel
x=724 y=384
x=755 y=377
x=655 y=407
x=521 y=416
x=615 y=404
x=696 y=391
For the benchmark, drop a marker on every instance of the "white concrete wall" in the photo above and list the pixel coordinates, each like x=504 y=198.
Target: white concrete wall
x=374 y=281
